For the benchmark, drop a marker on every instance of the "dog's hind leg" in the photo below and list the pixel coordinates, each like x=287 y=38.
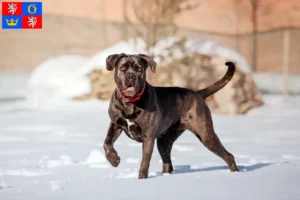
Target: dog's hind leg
x=164 y=145
x=204 y=131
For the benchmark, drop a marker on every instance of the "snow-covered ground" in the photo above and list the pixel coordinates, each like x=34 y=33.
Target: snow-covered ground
x=56 y=153
x=273 y=82
x=13 y=85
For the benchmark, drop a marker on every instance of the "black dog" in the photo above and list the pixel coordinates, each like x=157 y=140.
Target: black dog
x=145 y=112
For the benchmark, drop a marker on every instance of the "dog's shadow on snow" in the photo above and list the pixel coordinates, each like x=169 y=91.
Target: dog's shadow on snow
x=182 y=169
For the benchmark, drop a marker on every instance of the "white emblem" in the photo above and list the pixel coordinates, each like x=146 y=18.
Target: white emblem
x=32 y=21
x=12 y=8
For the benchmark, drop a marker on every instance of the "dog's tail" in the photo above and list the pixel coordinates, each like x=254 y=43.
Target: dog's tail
x=219 y=84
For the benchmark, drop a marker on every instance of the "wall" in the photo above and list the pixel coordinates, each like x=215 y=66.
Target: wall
x=88 y=27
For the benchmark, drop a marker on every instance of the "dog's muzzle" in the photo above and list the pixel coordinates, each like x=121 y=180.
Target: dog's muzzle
x=130 y=79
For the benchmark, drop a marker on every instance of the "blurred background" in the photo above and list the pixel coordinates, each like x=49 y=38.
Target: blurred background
x=261 y=36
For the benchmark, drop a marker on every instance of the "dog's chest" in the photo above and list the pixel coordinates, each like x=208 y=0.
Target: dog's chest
x=133 y=130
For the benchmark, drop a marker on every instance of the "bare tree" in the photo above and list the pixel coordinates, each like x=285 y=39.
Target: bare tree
x=155 y=16
x=254 y=29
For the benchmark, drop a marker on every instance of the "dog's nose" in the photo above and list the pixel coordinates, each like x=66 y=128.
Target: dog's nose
x=130 y=77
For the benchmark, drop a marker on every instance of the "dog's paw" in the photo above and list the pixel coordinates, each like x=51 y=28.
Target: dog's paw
x=143 y=175
x=113 y=159
x=234 y=169
x=167 y=168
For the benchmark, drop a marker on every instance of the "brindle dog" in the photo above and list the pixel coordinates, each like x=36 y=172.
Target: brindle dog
x=146 y=113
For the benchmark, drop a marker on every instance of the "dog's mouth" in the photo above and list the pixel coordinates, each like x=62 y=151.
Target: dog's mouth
x=129 y=91
x=130 y=88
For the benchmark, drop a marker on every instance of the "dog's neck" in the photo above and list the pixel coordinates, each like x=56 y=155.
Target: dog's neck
x=132 y=99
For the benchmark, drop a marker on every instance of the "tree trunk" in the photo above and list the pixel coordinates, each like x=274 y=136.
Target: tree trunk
x=125 y=20
x=104 y=32
x=254 y=26
x=285 y=63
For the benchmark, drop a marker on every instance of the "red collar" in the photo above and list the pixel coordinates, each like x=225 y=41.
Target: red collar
x=130 y=100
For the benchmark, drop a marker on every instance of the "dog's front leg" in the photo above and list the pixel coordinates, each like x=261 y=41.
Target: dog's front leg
x=148 y=144
x=112 y=135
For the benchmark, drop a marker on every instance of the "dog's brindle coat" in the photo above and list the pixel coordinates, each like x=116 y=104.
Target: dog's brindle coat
x=161 y=113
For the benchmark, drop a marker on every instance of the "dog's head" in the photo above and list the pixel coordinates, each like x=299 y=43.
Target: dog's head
x=130 y=71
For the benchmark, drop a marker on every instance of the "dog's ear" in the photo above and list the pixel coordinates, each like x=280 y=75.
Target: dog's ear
x=150 y=62
x=111 y=60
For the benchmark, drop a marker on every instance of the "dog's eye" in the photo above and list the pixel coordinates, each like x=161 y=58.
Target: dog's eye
x=138 y=69
x=123 y=68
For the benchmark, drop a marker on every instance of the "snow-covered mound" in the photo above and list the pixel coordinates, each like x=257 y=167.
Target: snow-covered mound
x=132 y=46
x=161 y=49
x=57 y=78
x=213 y=48
x=65 y=76
x=206 y=47
x=96 y=156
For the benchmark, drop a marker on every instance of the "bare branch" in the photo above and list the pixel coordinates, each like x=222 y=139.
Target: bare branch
x=155 y=15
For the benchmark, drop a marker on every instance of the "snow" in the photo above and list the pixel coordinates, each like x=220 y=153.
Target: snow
x=56 y=152
x=138 y=45
x=55 y=185
x=132 y=160
x=181 y=148
x=64 y=160
x=57 y=78
x=131 y=46
x=273 y=82
x=13 y=85
x=96 y=156
x=213 y=48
